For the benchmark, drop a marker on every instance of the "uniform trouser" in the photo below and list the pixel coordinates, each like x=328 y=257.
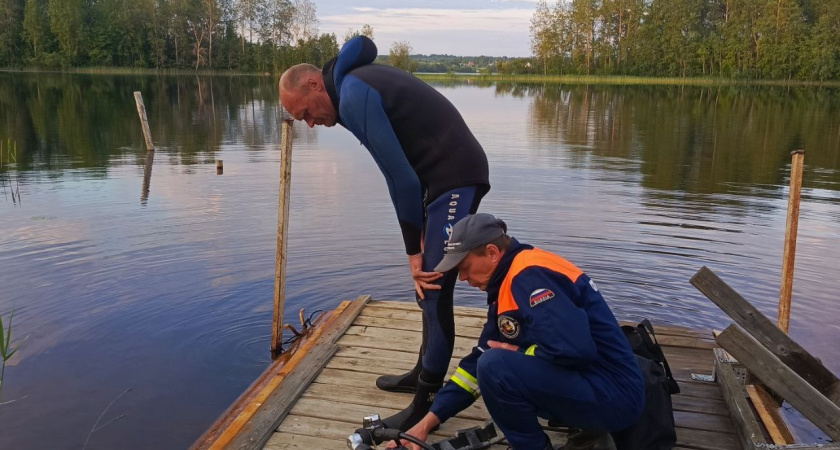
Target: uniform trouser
x=438 y=321
x=518 y=388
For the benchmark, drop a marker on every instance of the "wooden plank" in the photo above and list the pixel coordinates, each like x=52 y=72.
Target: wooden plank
x=351 y=414
x=271 y=412
x=373 y=397
x=748 y=428
x=412 y=306
x=289 y=441
x=706 y=440
x=768 y=412
x=700 y=421
x=323 y=430
x=766 y=332
x=700 y=389
x=699 y=404
x=347 y=359
x=414 y=317
x=462 y=346
x=476 y=317
x=782 y=379
x=466 y=328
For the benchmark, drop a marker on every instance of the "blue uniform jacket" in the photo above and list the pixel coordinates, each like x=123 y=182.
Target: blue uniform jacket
x=551 y=310
x=419 y=140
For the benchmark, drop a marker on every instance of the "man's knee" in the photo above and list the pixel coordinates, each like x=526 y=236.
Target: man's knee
x=494 y=366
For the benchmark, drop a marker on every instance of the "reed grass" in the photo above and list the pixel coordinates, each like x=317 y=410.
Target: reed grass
x=6 y=348
x=9 y=154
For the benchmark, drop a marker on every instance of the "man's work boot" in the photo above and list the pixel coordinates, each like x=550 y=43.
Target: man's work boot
x=418 y=408
x=588 y=440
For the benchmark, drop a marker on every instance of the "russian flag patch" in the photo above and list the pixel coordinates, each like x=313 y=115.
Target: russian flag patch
x=540 y=295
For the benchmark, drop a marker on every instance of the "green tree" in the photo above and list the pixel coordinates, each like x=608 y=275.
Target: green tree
x=544 y=40
x=68 y=24
x=11 y=31
x=36 y=28
x=399 y=56
x=366 y=30
x=783 y=35
x=822 y=59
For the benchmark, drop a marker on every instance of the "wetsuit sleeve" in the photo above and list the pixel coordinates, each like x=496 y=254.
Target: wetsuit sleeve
x=462 y=389
x=362 y=113
x=551 y=307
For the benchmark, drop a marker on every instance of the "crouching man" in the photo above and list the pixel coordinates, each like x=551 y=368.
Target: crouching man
x=551 y=347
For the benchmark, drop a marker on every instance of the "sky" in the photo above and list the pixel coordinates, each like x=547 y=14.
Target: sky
x=455 y=27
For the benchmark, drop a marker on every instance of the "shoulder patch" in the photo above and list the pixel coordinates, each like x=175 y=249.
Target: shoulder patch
x=592 y=283
x=508 y=326
x=540 y=295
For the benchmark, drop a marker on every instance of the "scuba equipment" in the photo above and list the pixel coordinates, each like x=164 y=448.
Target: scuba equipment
x=373 y=431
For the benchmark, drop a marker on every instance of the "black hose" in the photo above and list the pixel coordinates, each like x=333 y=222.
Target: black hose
x=413 y=439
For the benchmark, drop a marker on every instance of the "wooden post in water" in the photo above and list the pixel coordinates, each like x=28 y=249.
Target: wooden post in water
x=282 y=230
x=790 y=238
x=141 y=110
x=150 y=147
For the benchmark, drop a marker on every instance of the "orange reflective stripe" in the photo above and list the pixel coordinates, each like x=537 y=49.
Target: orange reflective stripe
x=531 y=258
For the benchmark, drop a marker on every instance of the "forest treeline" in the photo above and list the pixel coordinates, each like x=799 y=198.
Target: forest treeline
x=768 y=39
x=238 y=35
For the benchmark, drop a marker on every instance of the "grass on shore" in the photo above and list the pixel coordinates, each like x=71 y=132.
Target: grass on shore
x=534 y=78
x=621 y=80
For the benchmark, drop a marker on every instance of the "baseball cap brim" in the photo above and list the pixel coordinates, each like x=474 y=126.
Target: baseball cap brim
x=450 y=261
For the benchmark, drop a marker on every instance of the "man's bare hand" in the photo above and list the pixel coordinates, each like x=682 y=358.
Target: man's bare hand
x=422 y=280
x=420 y=431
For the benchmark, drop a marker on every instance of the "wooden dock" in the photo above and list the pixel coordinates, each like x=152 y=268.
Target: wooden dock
x=316 y=398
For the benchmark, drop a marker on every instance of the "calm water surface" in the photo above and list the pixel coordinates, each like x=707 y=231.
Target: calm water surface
x=169 y=293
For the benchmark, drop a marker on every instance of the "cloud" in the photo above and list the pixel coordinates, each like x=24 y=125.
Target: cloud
x=474 y=31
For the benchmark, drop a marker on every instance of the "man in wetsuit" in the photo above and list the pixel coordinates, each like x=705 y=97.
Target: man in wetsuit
x=436 y=172
x=550 y=348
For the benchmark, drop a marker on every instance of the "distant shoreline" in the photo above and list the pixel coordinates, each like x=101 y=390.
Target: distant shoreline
x=470 y=77
x=623 y=80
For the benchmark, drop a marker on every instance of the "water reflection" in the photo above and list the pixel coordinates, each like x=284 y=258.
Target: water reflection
x=172 y=297
x=147 y=177
x=79 y=121
x=692 y=139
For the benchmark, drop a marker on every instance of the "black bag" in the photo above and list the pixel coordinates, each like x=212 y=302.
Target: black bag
x=655 y=428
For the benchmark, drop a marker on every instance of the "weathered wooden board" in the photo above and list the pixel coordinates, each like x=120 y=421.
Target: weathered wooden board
x=259 y=428
x=768 y=334
x=385 y=337
x=782 y=379
x=748 y=428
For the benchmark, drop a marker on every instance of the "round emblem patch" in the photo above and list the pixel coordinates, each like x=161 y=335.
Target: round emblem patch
x=508 y=326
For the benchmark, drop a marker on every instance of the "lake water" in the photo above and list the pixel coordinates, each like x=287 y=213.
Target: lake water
x=169 y=293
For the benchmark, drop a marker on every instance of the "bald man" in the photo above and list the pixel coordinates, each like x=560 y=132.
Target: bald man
x=436 y=172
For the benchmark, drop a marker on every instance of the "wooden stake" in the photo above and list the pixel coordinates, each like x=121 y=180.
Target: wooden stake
x=220 y=167
x=282 y=230
x=141 y=110
x=790 y=238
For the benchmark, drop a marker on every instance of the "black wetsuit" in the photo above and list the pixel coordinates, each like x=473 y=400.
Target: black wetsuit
x=435 y=169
